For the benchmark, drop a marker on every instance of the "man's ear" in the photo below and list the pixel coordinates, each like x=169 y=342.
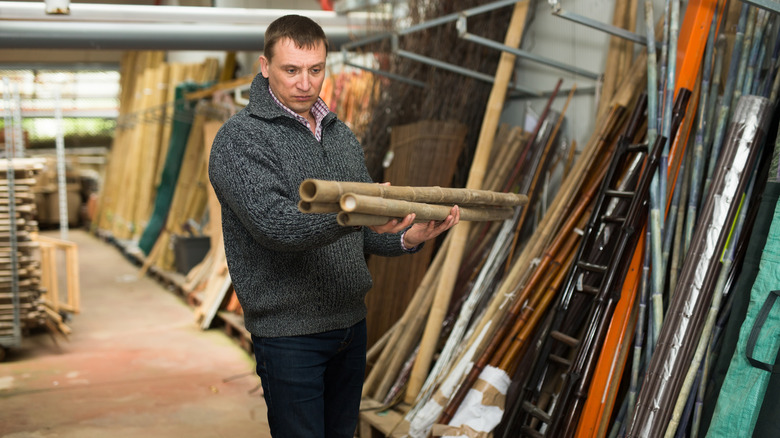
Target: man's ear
x=264 y=66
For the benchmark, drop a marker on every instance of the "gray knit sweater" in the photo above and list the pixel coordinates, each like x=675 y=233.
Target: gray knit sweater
x=293 y=273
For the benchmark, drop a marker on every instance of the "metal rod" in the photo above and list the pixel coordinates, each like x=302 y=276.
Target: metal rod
x=143 y=36
x=10 y=10
x=465 y=72
x=608 y=28
x=393 y=76
x=16 y=336
x=529 y=56
x=61 y=181
x=449 y=18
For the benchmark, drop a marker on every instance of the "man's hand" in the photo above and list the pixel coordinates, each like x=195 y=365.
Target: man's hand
x=421 y=232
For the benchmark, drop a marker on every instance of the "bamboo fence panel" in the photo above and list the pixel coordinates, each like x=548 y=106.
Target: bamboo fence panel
x=424 y=154
x=110 y=198
x=131 y=149
x=212 y=273
x=153 y=146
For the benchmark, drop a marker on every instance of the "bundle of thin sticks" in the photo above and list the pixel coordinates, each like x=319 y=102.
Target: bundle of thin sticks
x=374 y=204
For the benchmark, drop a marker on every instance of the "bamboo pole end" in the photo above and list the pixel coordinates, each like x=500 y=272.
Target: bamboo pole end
x=308 y=190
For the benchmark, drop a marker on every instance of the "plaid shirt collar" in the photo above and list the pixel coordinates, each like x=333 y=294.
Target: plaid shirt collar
x=319 y=110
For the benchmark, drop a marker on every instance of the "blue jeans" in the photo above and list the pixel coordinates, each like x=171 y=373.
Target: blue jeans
x=312 y=384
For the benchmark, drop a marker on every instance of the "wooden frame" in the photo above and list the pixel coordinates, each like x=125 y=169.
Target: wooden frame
x=49 y=247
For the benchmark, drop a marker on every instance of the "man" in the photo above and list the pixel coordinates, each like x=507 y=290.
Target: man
x=301 y=278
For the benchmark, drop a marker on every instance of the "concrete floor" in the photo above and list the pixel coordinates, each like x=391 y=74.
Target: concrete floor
x=135 y=365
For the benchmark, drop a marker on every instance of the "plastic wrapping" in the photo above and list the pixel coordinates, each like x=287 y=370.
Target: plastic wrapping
x=682 y=327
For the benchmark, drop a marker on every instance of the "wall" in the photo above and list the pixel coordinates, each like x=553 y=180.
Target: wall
x=580 y=46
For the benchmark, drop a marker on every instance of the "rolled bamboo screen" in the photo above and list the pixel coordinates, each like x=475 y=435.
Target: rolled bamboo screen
x=425 y=153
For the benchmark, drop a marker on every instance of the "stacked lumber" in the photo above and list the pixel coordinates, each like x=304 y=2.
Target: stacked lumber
x=34 y=309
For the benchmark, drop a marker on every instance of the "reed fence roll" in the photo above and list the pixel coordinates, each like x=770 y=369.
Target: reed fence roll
x=314 y=190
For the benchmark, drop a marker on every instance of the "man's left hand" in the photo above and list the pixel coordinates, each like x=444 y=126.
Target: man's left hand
x=421 y=232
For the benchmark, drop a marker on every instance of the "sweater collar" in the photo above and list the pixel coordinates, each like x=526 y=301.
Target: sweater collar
x=262 y=104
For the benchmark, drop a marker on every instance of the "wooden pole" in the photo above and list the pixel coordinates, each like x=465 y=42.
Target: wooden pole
x=461 y=231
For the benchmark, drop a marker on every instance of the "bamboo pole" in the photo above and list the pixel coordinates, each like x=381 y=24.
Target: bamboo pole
x=407 y=332
x=728 y=93
x=533 y=186
x=320 y=191
x=353 y=203
x=714 y=45
x=476 y=175
x=677 y=337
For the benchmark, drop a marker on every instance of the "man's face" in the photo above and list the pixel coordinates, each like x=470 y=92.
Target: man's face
x=295 y=74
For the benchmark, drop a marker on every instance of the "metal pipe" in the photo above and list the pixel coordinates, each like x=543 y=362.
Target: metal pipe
x=529 y=56
x=449 y=18
x=595 y=24
x=465 y=72
x=142 y=36
x=80 y=12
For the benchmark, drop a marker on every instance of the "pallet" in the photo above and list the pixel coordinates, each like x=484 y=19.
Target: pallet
x=234 y=327
x=376 y=422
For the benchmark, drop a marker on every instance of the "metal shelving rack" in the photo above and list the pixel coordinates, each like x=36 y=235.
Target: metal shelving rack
x=13 y=147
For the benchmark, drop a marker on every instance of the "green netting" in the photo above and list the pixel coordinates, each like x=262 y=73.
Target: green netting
x=180 y=131
x=745 y=385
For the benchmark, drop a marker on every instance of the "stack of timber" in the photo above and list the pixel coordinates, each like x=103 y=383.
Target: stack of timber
x=37 y=307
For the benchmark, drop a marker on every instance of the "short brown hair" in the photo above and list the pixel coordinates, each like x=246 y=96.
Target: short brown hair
x=303 y=31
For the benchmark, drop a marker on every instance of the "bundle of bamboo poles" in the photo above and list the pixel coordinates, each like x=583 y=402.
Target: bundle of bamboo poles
x=142 y=136
x=360 y=204
x=190 y=195
x=521 y=269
